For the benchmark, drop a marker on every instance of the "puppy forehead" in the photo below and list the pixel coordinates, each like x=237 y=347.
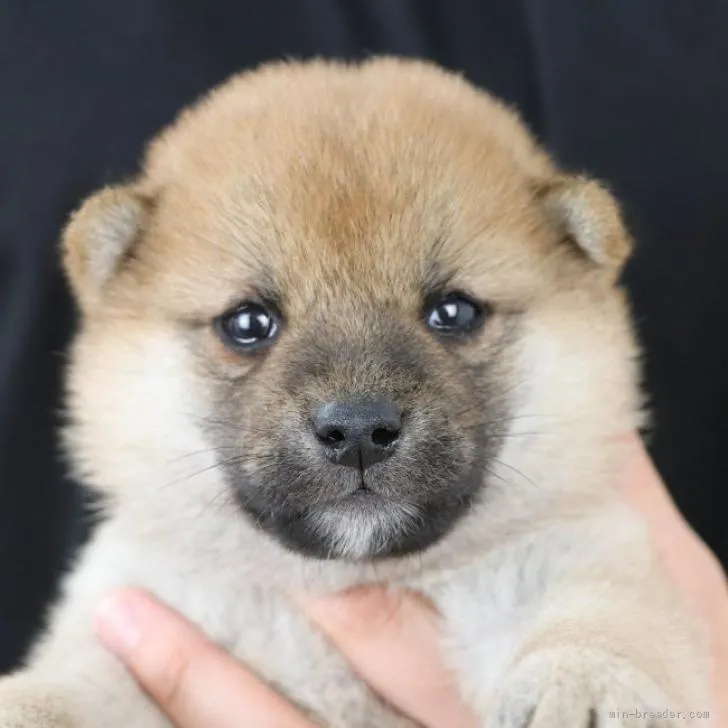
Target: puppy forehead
x=342 y=191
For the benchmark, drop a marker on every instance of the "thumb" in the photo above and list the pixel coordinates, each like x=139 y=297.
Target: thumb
x=196 y=684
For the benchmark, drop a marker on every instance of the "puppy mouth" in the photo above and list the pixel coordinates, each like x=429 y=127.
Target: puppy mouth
x=367 y=502
x=363 y=492
x=362 y=524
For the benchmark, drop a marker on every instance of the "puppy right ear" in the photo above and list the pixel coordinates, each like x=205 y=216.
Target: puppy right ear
x=99 y=238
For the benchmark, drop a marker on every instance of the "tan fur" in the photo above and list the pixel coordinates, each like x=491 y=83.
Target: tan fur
x=340 y=185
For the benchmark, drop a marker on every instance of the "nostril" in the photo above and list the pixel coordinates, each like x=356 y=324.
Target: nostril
x=331 y=436
x=384 y=437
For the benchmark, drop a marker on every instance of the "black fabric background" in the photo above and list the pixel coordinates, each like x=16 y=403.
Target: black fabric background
x=634 y=92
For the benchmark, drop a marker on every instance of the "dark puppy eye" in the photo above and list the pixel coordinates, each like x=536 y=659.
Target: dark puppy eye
x=456 y=314
x=249 y=326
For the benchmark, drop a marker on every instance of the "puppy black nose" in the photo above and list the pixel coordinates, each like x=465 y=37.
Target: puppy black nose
x=358 y=433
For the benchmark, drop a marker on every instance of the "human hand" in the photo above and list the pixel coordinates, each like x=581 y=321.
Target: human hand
x=391 y=639
x=690 y=563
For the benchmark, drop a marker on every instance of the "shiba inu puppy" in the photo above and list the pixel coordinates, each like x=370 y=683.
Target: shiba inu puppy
x=351 y=325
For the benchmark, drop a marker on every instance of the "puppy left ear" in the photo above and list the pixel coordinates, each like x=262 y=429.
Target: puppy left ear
x=590 y=218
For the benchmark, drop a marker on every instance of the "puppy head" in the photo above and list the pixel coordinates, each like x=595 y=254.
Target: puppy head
x=343 y=284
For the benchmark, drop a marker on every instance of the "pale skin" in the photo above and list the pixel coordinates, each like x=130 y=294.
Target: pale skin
x=391 y=640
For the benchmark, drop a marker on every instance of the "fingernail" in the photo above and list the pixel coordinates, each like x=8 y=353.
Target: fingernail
x=118 y=624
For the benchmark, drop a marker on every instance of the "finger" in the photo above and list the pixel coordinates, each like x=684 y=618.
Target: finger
x=642 y=485
x=679 y=546
x=392 y=640
x=194 y=682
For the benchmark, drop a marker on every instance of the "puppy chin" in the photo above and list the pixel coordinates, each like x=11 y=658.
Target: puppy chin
x=364 y=526
x=362 y=529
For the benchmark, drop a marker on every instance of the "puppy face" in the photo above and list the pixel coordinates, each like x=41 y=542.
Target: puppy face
x=328 y=277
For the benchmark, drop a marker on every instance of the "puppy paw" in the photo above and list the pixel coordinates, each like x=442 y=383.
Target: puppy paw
x=28 y=706
x=578 y=688
x=33 y=714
